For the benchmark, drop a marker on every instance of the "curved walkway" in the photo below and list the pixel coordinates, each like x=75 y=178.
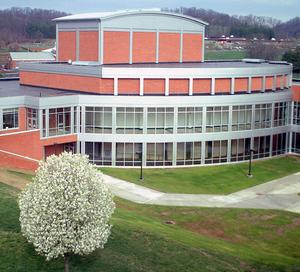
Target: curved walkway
x=281 y=194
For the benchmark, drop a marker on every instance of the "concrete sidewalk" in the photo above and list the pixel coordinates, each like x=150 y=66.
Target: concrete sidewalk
x=281 y=194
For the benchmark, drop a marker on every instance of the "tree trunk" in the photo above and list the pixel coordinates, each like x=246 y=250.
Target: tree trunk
x=66 y=258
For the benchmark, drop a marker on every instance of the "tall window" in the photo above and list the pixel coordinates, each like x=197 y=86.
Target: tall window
x=241 y=117
x=281 y=114
x=128 y=154
x=32 y=118
x=160 y=120
x=129 y=120
x=240 y=149
x=215 y=152
x=10 y=118
x=279 y=144
x=99 y=153
x=159 y=154
x=189 y=120
x=59 y=121
x=263 y=116
x=296 y=113
x=296 y=142
x=98 y=120
x=217 y=119
x=261 y=146
x=188 y=153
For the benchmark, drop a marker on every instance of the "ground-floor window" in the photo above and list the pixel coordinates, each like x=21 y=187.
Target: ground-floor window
x=99 y=153
x=215 y=151
x=279 y=144
x=188 y=153
x=240 y=149
x=261 y=147
x=128 y=154
x=159 y=154
x=296 y=142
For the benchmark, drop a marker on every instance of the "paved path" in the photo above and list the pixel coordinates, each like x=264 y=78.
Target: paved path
x=279 y=194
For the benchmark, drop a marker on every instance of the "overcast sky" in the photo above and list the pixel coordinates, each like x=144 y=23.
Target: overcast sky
x=280 y=9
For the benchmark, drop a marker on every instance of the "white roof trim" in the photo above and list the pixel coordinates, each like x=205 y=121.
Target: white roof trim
x=107 y=15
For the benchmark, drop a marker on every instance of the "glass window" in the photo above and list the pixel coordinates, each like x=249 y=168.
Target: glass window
x=10 y=118
x=32 y=118
x=160 y=120
x=159 y=154
x=281 y=114
x=215 y=151
x=296 y=142
x=217 y=119
x=98 y=120
x=99 y=152
x=279 y=144
x=59 y=121
x=189 y=120
x=263 y=115
x=129 y=120
x=128 y=154
x=188 y=153
x=241 y=117
x=296 y=113
x=261 y=146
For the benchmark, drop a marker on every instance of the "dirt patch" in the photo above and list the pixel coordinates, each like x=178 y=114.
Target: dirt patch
x=13 y=179
x=213 y=229
x=295 y=224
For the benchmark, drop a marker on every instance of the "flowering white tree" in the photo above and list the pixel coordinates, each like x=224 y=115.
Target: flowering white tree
x=67 y=207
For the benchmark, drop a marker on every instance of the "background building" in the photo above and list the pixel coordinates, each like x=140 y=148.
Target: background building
x=136 y=82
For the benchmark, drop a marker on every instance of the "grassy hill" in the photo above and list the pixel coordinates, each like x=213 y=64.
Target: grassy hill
x=201 y=239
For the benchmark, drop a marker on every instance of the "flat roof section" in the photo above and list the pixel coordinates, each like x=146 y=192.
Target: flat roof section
x=193 y=69
x=10 y=88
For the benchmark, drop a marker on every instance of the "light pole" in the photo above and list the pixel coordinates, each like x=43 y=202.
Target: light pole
x=250 y=163
x=140 y=153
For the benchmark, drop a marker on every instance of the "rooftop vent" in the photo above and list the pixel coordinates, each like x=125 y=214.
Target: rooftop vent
x=253 y=60
x=86 y=63
x=279 y=62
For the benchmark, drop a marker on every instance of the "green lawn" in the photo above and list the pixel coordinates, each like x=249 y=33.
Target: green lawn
x=224 y=55
x=224 y=179
x=201 y=239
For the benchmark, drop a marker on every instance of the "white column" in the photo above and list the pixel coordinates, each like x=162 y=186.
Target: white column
x=130 y=46
x=181 y=47
x=115 y=86
x=157 y=46
x=167 y=86
x=191 y=86
x=141 y=86
x=232 y=85
x=77 y=44
x=212 y=92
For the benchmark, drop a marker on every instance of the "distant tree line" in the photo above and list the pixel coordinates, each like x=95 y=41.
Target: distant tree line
x=20 y=24
x=249 y=26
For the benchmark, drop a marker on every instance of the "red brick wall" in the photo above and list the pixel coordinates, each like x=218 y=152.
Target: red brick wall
x=169 y=47
x=178 y=86
x=192 y=47
x=12 y=161
x=154 y=86
x=66 y=45
x=144 y=47
x=296 y=93
x=116 y=47
x=241 y=85
x=68 y=82
x=269 y=82
x=202 y=86
x=222 y=85
x=256 y=84
x=88 y=45
x=129 y=86
x=278 y=82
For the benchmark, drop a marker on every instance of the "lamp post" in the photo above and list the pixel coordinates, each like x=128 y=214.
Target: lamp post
x=140 y=153
x=250 y=163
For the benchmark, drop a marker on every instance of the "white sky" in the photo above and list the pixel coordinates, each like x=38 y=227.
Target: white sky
x=280 y=9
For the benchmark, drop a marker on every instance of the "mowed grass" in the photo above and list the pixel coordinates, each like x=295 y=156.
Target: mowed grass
x=222 y=179
x=224 y=55
x=200 y=239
